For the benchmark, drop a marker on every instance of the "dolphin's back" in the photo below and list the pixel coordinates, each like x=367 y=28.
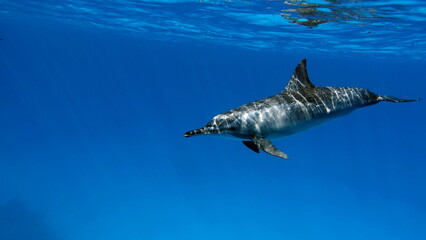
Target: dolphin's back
x=320 y=101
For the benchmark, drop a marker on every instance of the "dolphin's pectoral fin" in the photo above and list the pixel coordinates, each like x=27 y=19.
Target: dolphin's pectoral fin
x=251 y=145
x=268 y=147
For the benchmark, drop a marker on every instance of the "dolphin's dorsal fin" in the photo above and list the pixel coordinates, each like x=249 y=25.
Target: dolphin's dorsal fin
x=300 y=78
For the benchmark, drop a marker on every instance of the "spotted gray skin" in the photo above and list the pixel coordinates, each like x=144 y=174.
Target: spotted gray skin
x=299 y=106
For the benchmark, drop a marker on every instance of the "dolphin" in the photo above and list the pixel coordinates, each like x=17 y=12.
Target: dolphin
x=301 y=105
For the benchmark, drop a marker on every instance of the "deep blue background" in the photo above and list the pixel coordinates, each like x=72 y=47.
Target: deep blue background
x=92 y=146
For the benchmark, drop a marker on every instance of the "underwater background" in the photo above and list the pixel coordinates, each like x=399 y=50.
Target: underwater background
x=95 y=97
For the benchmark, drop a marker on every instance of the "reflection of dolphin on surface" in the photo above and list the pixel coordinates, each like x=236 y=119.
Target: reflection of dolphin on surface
x=314 y=14
x=299 y=106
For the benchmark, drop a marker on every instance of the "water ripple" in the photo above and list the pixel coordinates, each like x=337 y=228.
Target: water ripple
x=377 y=27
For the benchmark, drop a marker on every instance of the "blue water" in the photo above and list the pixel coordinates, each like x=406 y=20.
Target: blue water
x=95 y=97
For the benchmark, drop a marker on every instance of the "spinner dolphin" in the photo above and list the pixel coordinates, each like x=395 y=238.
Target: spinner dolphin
x=299 y=106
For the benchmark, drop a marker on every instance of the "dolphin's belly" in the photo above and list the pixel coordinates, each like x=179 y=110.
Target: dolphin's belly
x=290 y=124
x=288 y=119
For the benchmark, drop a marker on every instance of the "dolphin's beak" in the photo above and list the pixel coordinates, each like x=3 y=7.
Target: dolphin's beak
x=195 y=132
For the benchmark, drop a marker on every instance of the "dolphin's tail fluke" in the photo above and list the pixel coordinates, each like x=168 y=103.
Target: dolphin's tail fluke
x=395 y=99
x=195 y=132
